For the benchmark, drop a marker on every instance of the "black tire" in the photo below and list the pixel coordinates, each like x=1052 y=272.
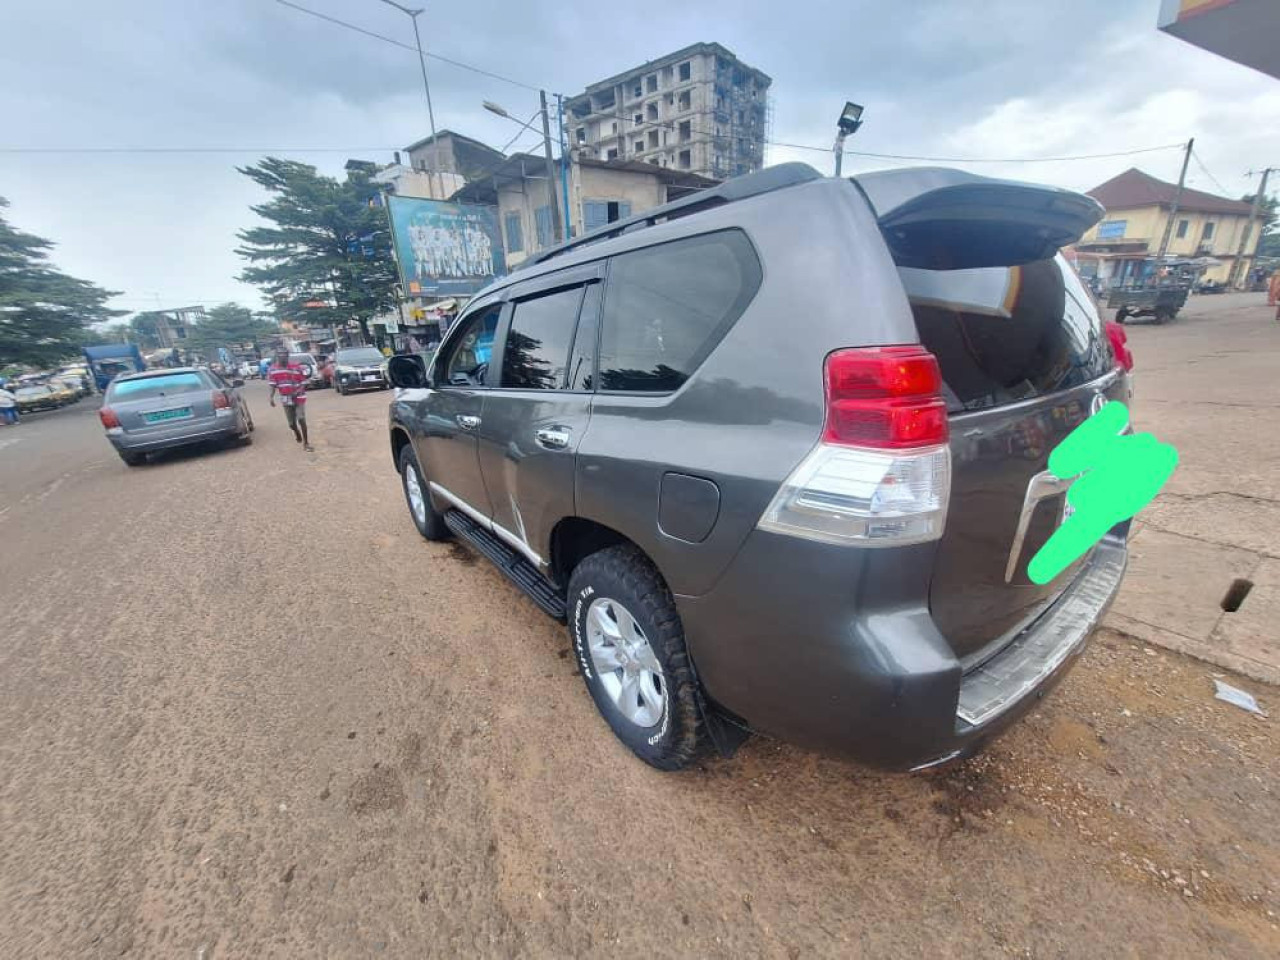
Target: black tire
x=1122 y=315
x=132 y=459
x=431 y=524
x=342 y=390
x=624 y=575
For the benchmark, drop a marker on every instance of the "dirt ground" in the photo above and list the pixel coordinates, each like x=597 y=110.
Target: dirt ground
x=245 y=711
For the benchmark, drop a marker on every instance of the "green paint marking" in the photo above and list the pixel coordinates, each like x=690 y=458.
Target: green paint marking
x=1119 y=475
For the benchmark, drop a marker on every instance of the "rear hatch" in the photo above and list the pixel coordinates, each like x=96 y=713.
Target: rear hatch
x=1024 y=359
x=161 y=401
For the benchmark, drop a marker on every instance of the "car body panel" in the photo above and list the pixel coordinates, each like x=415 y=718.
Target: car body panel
x=196 y=420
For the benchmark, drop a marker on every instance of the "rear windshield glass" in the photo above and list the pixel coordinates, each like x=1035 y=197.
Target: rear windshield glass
x=368 y=355
x=162 y=386
x=1005 y=334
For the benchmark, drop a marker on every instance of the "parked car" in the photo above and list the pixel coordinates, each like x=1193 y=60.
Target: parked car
x=360 y=368
x=65 y=391
x=39 y=396
x=777 y=452
x=163 y=409
x=315 y=379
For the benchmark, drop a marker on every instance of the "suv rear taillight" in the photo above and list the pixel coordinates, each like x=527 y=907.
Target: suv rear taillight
x=221 y=404
x=882 y=474
x=109 y=418
x=1119 y=345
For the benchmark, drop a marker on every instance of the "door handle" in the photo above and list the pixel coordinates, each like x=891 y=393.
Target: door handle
x=467 y=422
x=555 y=437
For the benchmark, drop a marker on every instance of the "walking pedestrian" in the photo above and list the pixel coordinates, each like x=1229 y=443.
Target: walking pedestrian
x=290 y=381
x=8 y=407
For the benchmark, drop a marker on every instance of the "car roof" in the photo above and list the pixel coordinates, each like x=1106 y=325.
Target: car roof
x=146 y=374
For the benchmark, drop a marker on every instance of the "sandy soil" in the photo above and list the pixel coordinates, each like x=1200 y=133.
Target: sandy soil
x=245 y=711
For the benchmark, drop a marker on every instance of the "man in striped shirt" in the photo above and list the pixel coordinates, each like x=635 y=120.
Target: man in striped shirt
x=290 y=381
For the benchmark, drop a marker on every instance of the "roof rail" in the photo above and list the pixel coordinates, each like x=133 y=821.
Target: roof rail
x=739 y=188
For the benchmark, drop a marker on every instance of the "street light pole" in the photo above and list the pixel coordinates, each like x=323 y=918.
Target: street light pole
x=413 y=15
x=849 y=122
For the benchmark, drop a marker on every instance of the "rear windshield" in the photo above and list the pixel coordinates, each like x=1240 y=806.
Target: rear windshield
x=162 y=386
x=1005 y=334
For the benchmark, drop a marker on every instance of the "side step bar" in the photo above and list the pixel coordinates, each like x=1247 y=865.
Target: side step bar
x=512 y=564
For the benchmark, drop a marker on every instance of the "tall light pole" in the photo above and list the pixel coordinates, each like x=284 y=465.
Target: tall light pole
x=556 y=226
x=413 y=15
x=849 y=122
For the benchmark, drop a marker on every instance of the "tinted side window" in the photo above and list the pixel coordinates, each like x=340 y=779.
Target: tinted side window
x=1004 y=334
x=668 y=306
x=537 y=350
x=466 y=355
x=582 y=364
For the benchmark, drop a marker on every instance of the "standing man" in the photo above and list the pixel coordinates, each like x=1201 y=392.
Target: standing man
x=8 y=406
x=290 y=381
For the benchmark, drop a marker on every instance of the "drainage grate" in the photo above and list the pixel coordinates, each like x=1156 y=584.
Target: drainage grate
x=1236 y=593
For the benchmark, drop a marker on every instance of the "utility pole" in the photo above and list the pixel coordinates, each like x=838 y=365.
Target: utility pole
x=551 y=169
x=1237 y=267
x=1173 y=213
x=564 y=166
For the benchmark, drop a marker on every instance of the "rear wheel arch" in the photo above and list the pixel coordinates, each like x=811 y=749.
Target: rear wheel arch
x=574 y=539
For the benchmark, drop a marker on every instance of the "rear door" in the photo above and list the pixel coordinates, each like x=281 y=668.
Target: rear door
x=1024 y=359
x=536 y=414
x=152 y=404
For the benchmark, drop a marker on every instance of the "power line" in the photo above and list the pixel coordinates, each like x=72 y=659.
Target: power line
x=1199 y=163
x=404 y=46
x=125 y=150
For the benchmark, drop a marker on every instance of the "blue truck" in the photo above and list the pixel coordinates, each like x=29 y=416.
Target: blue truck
x=108 y=360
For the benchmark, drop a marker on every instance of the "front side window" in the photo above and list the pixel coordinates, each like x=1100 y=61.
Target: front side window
x=465 y=358
x=666 y=308
x=537 y=350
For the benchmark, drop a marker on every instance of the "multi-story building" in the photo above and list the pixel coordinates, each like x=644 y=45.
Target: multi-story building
x=700 y=109
x=1121 y=249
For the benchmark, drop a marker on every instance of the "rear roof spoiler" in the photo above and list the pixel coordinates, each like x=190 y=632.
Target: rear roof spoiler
x=944 y=219
x=739 y=188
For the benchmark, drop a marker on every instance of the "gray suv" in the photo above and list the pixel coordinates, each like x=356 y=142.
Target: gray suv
x=777 y=453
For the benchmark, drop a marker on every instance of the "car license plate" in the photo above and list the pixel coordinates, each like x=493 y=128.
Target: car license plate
x=160 y=416
x=370 y=376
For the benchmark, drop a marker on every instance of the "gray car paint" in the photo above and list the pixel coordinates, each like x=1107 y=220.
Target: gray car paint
x=138 y=436
x=835 y=647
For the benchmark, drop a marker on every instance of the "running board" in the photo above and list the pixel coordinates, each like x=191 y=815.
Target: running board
x=512 y=563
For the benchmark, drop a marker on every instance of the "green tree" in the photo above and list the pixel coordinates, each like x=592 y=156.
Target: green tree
x=144 y=329
x=43 y=312
x=328 y=245
x=229 y=325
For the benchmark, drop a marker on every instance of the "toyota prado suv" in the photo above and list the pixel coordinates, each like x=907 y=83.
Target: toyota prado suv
x=777 y=454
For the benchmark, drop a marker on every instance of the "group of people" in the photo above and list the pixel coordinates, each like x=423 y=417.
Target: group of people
x=460 y=250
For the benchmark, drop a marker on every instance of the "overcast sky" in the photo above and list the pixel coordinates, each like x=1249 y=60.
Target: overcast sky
x=998 y=78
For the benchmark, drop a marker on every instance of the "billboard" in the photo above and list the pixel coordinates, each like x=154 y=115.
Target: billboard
x=445 y=248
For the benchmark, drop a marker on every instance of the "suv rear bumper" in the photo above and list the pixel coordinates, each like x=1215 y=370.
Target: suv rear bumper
x=801 y=658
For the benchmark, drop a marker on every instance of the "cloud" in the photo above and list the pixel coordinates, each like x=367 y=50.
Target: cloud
x=1005 y=78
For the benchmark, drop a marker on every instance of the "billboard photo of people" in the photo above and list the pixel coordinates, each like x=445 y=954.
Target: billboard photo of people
x=445 y=248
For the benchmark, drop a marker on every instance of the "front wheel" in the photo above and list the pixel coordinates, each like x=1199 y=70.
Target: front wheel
x=425 y=517
x=631 y=651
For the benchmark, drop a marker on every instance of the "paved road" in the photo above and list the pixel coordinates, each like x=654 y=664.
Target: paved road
x=245 y=711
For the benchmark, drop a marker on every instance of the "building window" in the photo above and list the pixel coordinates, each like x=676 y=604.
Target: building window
x=612 y=154
x=666 y=76
x=685 y=71
x=639 y=146
x=670 y=98
x=1182 y=228
x=515 y=242
x=636 y=91
x=685 y=159
x=1208 y=231
x=1112 y=229
x=542 y=222
x=614 y=127
x=653 y=139
x=686 y=131
x=638 y=119
x=651 y=83
x=686 y=100
x=582 y=134
x=597 y=213
x=651 y=111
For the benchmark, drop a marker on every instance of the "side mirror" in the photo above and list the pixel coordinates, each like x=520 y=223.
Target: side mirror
x=237 y=382
x=407 y=371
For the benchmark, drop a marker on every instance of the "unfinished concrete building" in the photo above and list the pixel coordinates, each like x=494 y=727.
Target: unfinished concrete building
x=699 y=109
